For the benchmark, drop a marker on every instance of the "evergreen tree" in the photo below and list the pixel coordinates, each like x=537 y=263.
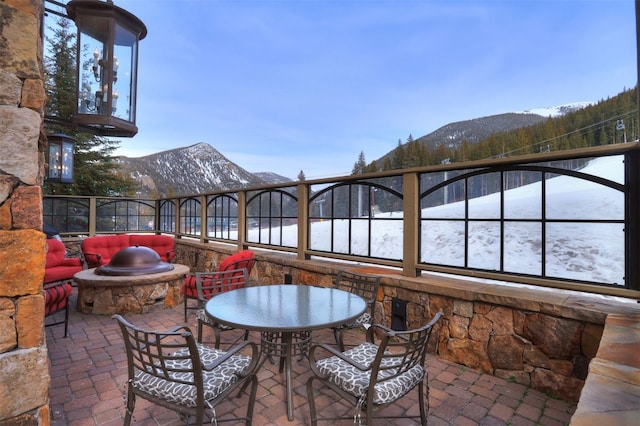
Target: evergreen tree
x=398 y=156
x=94 y=171
x=372 y=167
x=386 y=164
x=360 y=165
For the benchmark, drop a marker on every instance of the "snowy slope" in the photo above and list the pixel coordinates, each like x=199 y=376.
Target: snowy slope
x=589 y=252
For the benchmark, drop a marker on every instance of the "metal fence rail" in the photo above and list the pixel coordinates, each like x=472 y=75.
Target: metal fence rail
x=463 y=219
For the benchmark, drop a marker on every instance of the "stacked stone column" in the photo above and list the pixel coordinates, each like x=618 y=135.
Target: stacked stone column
x=24 y=365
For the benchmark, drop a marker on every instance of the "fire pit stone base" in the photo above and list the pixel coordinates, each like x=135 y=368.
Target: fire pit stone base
x=140 y=294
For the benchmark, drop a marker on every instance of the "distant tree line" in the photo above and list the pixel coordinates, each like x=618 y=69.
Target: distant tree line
x=613 y=120
x=610 y=121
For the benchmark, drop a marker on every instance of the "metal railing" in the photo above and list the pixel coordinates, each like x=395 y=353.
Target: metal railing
x=551 y=219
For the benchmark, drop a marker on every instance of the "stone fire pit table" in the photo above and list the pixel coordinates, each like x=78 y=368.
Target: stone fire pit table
x=137 y=294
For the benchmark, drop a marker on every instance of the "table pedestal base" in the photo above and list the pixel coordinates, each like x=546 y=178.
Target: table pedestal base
x=285 y=345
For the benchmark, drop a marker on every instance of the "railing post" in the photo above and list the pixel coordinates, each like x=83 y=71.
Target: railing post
x=303 y=220
x=204 y=226
x=242 y=220
x=411 y=217
x=632 y=180
x=177 y=217
x=92 y=215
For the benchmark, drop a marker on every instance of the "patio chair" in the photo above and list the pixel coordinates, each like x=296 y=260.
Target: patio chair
x=365 y=286
x=172 y=370
x=58 y=275
x=371 y=377
x=56 y=299
x=208 y=284
x=242 y=259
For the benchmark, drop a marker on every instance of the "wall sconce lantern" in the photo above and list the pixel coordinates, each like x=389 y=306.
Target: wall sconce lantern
x=60 y=158
x=107 y=65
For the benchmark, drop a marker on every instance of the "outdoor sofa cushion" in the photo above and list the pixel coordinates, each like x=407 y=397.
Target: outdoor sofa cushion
x=98 y=251
x=58 y=267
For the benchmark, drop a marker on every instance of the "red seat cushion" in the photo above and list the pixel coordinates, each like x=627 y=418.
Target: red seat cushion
x=56 y=297
x=189 y=288
x=60 y=273
x=58 y=267
x=239 y=260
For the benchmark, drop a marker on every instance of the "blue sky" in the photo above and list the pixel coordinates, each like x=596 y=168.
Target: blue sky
x=290 y=85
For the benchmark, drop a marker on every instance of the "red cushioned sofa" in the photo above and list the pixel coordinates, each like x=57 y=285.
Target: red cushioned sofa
x=97 y=251
x=58 y=273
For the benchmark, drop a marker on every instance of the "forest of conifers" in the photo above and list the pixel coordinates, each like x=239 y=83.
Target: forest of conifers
x=613 y=120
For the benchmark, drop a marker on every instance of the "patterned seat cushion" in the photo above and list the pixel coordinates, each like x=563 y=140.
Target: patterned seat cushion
x=356 y=382
x=362 y=320
x=202 y=316
x=215 y=381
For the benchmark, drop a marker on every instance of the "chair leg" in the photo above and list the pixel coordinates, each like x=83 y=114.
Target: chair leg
x=130 y=405
x=312 y=402
x=339 y=336
x=216 y=332
x=185 y=308
x=200 y=324
x=422 y=401
x=66 y=318
x=252 y=399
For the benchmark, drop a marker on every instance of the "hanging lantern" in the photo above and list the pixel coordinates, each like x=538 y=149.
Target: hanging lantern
x=60 y=158
x=107 y=66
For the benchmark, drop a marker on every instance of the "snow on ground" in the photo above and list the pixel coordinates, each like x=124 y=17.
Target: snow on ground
x=573 y=250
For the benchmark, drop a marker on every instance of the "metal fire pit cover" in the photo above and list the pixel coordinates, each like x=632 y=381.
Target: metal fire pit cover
x=134 y=260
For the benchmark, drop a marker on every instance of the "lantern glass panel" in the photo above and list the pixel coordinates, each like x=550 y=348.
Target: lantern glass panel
x=55 y=160
x=124 y=60
x=67 y=162
x=91 y=98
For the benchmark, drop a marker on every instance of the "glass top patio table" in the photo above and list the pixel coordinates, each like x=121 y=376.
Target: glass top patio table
x=287 y=309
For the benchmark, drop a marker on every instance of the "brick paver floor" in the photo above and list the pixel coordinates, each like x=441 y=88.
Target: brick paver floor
x=88 y=375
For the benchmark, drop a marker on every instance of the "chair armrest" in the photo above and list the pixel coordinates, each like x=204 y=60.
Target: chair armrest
x=370 y=331
x=334 y=352
x=93 y=259
x=72 y=261
x=233 y=351
x=170 y=255
x=178 y=328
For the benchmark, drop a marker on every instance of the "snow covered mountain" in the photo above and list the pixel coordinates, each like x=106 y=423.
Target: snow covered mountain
x=477 y=129
x=196 y=169
x=200 y=168
x=556 y=111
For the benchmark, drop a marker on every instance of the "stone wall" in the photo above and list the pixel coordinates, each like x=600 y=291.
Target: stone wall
x=538 y=337
x=24 y=368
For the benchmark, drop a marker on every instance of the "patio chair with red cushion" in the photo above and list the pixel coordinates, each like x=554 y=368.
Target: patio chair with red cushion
x=59 y=272
x=242 y=259
x=209 y=284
